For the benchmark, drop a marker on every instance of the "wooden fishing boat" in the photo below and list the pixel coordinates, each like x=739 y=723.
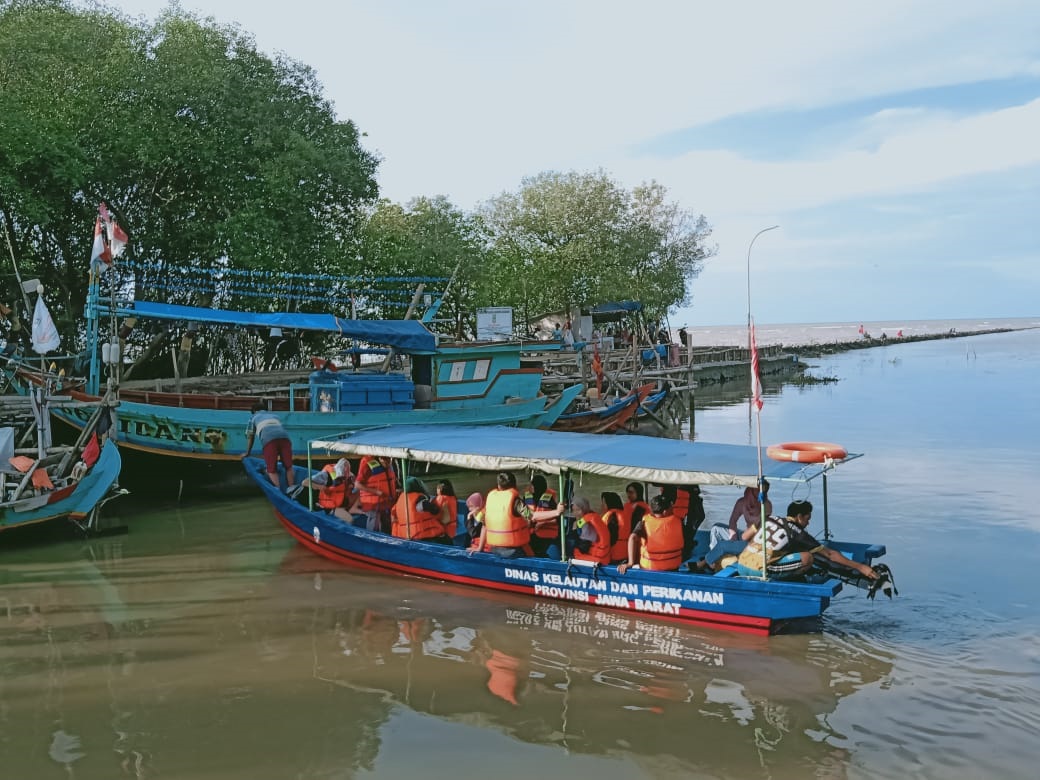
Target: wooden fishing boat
x=51 y=484
x=605 y=419
x=724 y=600
x=651 y=404
x=204 y=419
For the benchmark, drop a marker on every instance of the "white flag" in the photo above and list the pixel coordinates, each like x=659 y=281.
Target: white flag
x=44 y=335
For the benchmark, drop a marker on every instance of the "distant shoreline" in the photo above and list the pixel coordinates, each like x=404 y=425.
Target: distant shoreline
x=868 y=341
x=815 y=334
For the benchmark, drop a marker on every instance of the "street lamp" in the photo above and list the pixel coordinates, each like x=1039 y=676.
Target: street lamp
x=760 y=232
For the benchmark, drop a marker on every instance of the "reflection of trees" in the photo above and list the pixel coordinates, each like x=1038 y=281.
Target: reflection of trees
x=178 y=678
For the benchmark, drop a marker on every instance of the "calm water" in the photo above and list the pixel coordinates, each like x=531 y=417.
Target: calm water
x=204 y=645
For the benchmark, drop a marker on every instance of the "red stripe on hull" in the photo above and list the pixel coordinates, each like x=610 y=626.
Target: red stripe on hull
x=730 y=622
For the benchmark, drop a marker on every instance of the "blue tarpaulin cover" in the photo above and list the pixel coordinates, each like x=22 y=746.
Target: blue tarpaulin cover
x=641 y=458
x=406 y=335
x=615 y=310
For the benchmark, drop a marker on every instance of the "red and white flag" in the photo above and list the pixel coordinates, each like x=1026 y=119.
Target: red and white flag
x=110 y=240
x=100 y=256
x=756 y=381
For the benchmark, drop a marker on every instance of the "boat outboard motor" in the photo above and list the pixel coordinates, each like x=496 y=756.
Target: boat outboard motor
x=885 y=581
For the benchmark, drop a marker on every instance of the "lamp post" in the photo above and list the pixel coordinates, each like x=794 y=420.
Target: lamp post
x=760 y=232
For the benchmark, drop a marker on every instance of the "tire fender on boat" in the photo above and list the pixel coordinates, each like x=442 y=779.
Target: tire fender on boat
x=806 y=451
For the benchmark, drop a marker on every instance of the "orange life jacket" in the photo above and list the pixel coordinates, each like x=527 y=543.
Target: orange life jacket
x=378 y=477
x=663 y=546
x=334 y=493
x=619 y=551
x=504 y=527
x=681 y=507
x=630 y=508
x=600 y=549
x=410 y=522
x=546 y=501
x=449 y=513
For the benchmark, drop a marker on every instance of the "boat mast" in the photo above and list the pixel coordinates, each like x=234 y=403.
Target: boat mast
x=17 y=272
x=756 y=400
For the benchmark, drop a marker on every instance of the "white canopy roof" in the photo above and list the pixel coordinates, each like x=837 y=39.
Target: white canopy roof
x=629 y=457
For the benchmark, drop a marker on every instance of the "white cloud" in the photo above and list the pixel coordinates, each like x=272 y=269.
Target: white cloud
x=465 y=98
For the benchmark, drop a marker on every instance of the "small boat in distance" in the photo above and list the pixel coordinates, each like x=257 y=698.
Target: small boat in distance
x=605 y=419
x=724 y=600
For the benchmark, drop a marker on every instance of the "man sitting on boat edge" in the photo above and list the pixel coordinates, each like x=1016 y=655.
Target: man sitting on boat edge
x=791 y=548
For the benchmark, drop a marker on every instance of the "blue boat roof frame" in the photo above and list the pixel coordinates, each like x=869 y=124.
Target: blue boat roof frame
x=409 y=336
x=629 y=457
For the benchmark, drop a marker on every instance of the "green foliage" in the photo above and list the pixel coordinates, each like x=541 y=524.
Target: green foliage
x=579 y=239
x=210 y=152
x=205 y=149
x=428 y=237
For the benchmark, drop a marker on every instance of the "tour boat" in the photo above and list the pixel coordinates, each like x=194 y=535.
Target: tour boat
x=725 y=600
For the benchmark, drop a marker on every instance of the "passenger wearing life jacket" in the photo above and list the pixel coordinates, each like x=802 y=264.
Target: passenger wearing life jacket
x=617 y=522
x=335 y=484
x=448 y=503
x=593 y=538
x=474 y=517
x=539 y=496
x=377 y=490
x=635 y=506
x=657 y=542
x=507 y=520
x=415 y=516
x=688 y=506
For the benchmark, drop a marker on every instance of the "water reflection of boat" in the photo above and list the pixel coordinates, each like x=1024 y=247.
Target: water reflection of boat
x=726 y=600
x=271 y=663
x=587 y=680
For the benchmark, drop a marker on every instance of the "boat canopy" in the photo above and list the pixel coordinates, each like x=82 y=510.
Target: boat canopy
x=615 y=310
x=631 y=457
x=407 y=335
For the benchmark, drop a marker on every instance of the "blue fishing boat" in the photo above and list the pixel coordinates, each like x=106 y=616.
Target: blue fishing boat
x=51 y=484
x=725 y=600
x=204 y=419
x=607 y=418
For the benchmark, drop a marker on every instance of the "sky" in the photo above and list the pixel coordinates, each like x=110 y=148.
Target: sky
x=895 y=144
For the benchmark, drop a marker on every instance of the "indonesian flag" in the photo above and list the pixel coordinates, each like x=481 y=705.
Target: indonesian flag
x=756 y=382
x=109 y=240
x=100 y=254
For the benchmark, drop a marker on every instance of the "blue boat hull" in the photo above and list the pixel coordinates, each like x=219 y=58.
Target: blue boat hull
x=728 y=602
x=218 y=435
x=68 y=504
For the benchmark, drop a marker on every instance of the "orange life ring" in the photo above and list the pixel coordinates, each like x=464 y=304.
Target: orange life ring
x=806 y=451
